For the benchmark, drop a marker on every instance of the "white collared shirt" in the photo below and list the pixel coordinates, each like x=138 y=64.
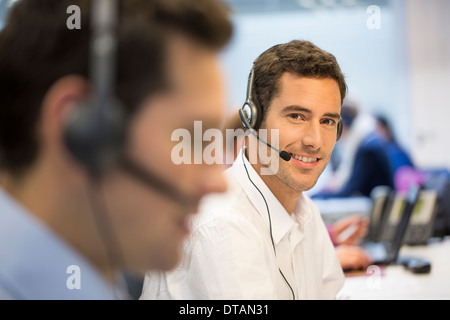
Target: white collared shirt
x=229 y=254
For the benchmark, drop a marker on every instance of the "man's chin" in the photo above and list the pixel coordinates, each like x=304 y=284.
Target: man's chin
x=172 y=257
x=303 y=186
x=310 y=186
x=295 y=181
x=166 y=263
x=306 y=182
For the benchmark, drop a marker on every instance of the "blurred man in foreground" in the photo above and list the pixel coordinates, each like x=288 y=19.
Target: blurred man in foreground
x=68 y=225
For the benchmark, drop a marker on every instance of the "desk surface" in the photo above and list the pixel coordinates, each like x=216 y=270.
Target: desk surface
x=395 y=282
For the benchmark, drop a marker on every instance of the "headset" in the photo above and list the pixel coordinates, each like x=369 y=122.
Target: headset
x=95 y=133
x=251 y=115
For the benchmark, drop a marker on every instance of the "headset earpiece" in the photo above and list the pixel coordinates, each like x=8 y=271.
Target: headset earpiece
x=253 y=114
x=95 y=133
x=251 y=109
x=95 y=136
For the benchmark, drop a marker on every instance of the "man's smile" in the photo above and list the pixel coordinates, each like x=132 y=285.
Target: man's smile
x=305 y=161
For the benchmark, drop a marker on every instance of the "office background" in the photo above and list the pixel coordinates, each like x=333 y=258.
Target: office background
x=400 y=68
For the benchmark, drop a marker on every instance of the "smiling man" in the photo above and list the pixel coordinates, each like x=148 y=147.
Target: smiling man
x=265 y=239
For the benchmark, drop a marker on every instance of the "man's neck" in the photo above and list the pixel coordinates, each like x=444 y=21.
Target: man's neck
x=287 y=196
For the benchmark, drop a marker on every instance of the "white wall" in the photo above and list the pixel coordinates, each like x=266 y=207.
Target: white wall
x=364 y=55
x=428 y=23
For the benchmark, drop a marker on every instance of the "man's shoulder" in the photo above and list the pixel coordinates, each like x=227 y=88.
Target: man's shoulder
x=35 y=261
x=372 y=142
x=225 y=208
x=5 y=295
x=309 y=204
x=217 y=207
x=7 y=292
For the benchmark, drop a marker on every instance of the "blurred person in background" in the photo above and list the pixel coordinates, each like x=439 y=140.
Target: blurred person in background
x=403 y=171
x=68 y=230
x=363 y=162
x=397 y=154
x=351 y=256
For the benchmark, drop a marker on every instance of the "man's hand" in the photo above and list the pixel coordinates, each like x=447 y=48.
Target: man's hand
x=353 y=257
x=349 y=230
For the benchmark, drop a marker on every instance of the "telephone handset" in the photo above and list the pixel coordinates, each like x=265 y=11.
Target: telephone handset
x=420 y=227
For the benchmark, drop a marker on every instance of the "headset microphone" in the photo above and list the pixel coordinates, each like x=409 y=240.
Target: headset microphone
x=251 y=117
x=283 y=154
x=153 y=181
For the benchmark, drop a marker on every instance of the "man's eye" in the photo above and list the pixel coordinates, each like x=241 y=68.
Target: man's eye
x=295 y=116
x=329 y=122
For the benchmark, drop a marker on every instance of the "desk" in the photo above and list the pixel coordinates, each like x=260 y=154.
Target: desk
x=397 y=283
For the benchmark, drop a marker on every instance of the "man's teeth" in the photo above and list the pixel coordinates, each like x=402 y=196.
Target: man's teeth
x=304 y=159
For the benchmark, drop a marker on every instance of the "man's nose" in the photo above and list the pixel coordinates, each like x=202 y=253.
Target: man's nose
x=312 y=136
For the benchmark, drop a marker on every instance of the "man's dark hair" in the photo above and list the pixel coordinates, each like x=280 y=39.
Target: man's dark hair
x=383 y=121
x=37 y=49
x=349 y=112
x=299 y=57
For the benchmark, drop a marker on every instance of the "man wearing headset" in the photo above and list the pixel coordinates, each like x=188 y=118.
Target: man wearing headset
x=76 y=206
x=264 y=239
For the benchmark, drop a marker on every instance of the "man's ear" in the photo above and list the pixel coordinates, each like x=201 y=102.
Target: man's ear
x=59 y=103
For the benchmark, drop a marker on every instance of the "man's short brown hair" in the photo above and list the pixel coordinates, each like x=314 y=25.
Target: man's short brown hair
x=299 y=57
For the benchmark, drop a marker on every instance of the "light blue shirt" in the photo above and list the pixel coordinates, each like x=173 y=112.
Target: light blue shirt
x=35 y=263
